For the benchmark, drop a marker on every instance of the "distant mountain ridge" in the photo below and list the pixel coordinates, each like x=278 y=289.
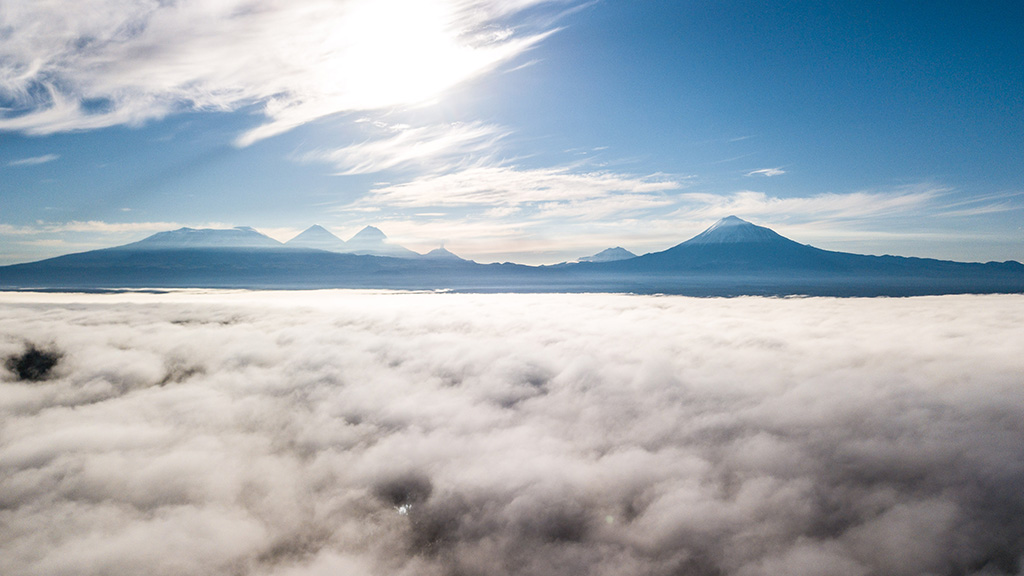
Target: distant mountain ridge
x=239 y=237
x=368 y=241
x=732 y=257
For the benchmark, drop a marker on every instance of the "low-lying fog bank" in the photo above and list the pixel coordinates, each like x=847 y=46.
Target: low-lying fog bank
x=439 y=434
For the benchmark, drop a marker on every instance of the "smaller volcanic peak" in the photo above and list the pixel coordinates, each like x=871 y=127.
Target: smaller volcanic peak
x=369 y=234
x=239 y=237
x=371 y=240
x=317 y=237
x=609 y=255
x=442 y=254
x=733 y=230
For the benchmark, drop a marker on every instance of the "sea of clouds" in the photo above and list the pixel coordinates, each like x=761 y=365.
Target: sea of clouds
x=440 y=434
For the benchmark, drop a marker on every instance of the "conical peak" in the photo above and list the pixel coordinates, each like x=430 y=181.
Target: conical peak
x=317 y=231
x=730 y=230
x=609 y=255
x=732 y=221
x=316 y=236
x=441 y=253
x=369 y=233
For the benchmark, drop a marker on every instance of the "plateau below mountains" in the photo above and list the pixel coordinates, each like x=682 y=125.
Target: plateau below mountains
x=731 y=258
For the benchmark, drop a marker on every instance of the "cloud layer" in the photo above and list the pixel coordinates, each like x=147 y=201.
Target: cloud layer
x=357 y=433
x=97 y=63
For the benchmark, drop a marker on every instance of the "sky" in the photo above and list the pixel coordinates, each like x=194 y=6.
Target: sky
x=351 y=432
x=534 y=131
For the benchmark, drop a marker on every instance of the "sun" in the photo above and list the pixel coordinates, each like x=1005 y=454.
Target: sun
x=395 y=52
x=366 y=55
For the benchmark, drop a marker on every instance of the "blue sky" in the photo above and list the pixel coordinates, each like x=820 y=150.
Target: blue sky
x=525 y=130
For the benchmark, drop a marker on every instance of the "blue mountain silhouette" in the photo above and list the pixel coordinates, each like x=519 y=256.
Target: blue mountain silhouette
x=732 y=257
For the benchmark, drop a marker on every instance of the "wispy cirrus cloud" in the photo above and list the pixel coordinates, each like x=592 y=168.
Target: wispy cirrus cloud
x=34 y=161
x=529 y=215
x=437 y=147
x=494 y=186
x=98 y=63
x=550 y=215
x=93 y=226
x=818 y=207
x=767 y=172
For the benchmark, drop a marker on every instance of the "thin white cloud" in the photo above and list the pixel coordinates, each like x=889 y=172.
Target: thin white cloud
x=97 y=63
x=491 y=186
x=524 y=215
x=345 y=432
x=818 y=207
x=34 y=161
x=436 y=147
x=767 y=172
x=98 y=226
x=544 y=216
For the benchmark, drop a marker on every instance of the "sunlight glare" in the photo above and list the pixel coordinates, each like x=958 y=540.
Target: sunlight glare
x=391 y=52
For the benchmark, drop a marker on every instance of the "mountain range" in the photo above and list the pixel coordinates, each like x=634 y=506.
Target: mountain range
x=732 y=257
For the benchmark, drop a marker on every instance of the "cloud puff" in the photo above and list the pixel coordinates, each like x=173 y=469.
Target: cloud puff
x=97 y=63
x=359 y=433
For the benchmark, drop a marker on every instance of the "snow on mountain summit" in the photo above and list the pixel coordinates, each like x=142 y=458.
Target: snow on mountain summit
x=733 y=230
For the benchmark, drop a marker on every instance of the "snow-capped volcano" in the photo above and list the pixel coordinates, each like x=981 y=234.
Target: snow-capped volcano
x=732 y=230
x=735 y=246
